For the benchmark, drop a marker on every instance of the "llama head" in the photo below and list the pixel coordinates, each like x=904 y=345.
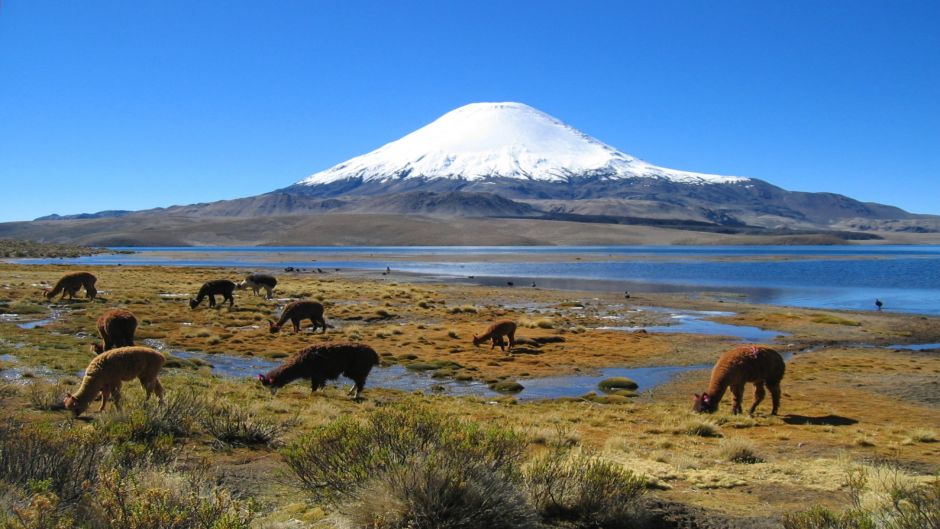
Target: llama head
x=477 y=340
x=72 y=404
x=273 y=327
x=702 y=403
x=267 y=382
x=193 y=303
x=240 y=285
x=97 y=348
x=47 y=293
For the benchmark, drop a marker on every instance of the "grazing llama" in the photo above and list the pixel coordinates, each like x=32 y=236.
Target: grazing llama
x=757 y=364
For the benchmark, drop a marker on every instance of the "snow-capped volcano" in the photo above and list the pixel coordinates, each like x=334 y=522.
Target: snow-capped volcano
x=508 y=140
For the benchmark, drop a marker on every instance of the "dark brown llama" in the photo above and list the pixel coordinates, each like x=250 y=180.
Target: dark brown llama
x=495 y=332
x=323 y=362
x=757 y=364
x=222 y=287
x=71 y=283
x=116 y=328
x=296 y=312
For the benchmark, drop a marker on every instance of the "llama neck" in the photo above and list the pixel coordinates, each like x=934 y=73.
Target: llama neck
x=284 y=317
x=285 y=374
x=716 y=390
x=91 y=386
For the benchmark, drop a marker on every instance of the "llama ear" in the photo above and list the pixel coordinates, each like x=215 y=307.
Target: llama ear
x=261 y=378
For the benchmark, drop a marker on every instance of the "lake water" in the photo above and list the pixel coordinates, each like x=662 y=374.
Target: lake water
x=905 y=278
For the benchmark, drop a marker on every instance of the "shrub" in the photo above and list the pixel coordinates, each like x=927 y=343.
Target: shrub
x=409 y=467
x=178 y=416
x=44 y=396
x=584 y=491
x=67 y=461
x=699 y=427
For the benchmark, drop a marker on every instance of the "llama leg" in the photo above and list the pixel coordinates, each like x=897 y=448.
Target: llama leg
x=116 y=396
x=231 y=300
x=774 y=397
x=322 y=323
x=758 y=396
x=105 y=394
x=737 y=393
x=270 y=292
x=296 y=322
x=211 y=300
x=359 y=384
x=512 y=340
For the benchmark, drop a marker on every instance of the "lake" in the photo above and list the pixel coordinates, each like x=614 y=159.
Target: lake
x=905 y=278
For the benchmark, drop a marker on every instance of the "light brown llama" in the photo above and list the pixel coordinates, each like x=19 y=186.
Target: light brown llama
x=107 y=371
x=495 y=332
x=71 y=283
x=296 y=312
x=757 y=364
x=258 y=281
x=116 y=328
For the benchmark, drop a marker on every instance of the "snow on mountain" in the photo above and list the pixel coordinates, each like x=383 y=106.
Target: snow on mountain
x=514 y=140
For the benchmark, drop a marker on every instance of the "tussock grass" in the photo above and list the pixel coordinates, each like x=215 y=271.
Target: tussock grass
x=738 y=450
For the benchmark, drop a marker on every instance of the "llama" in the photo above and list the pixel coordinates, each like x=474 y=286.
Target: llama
x=222 y=287
x=71 y=283
x=323 y=362
x=296 y=312
x=107 y=371
x=757 y=364
x=258 y=281
x=495 y=332
x=116 y=328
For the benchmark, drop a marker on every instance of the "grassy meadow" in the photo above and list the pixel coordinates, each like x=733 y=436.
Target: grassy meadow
x=856 y=441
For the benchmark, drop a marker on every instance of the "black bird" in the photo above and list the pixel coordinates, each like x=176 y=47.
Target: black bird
x=879 y=304
x=509 y=283
x=626 y=294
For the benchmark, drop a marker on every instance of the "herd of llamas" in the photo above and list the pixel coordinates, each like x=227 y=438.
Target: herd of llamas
x=118 y=360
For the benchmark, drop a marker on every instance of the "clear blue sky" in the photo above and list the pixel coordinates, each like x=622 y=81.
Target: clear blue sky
x=129 y=105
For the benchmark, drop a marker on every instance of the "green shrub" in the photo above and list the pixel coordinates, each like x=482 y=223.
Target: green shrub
x=45 y=396
x=178 y=416
x=66 y=460
x=583 y=491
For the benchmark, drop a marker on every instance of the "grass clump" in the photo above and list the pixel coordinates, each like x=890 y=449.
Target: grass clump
x=178 y=416
x=699 y=427
x=21 y=306
x=235 y=426
x=507 y=386
x=614 y=384
x=923 y=436
x=830 y=319
x=739 y=450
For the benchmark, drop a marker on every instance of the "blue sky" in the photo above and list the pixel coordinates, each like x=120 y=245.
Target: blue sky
x=130 y=105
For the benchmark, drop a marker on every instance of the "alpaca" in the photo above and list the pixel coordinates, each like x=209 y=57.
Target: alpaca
x=324 y=362
x=757 y=364
x=495 y=332
x=107 y=371
x=297 y=311
x=222 y=287
x=116 y=328
x=258 y=281
x=71 y=283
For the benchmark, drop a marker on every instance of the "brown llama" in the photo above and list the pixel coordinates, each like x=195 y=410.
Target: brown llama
x=323 y=362
x=296 y=312
x=107 y=371
x=221 y=287
x=258 y=281
x=757 y=364
x=71 y=283
x=495 y=332
x=116 y=328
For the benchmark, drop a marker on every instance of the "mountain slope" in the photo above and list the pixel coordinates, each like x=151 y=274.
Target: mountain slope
x=511 y=140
